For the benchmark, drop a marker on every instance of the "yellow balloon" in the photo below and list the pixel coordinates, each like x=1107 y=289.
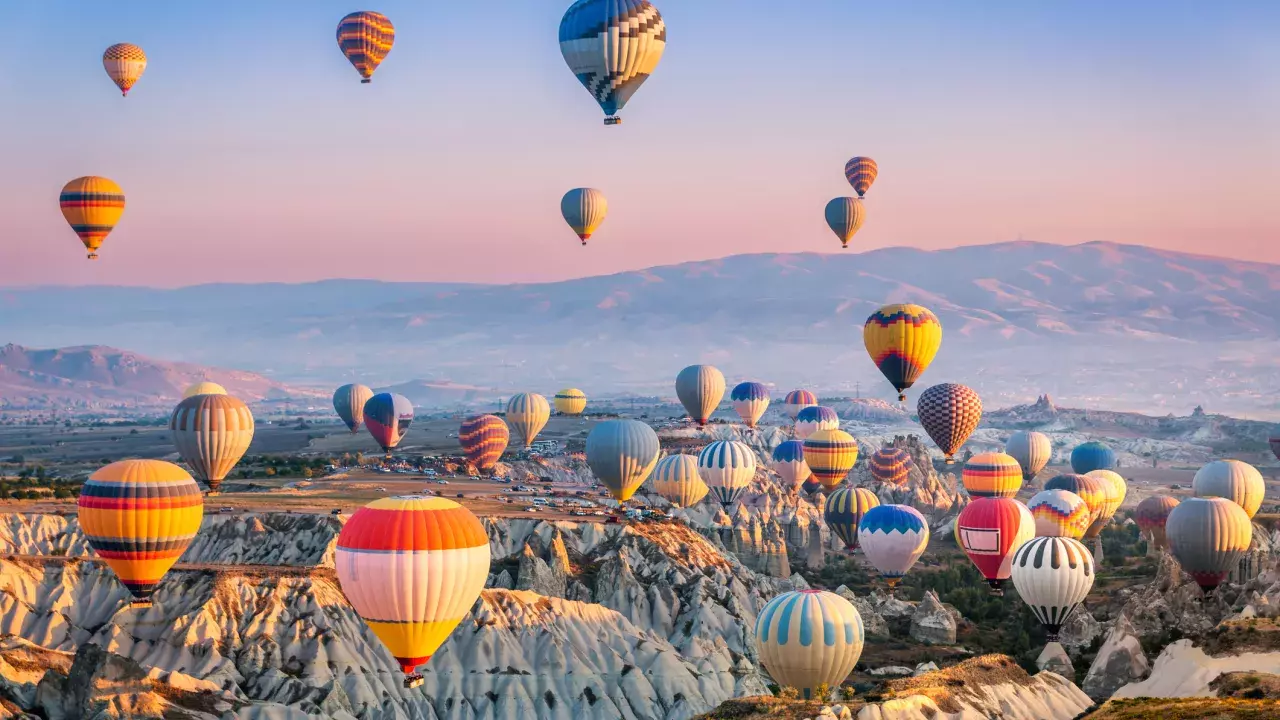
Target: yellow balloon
x=124 y=64
x=92 y=206
x=571 y=401
x=204 y=387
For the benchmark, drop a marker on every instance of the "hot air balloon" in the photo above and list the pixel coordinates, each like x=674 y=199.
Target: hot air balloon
x=203 y=388
x=676 y=478
x=483 y=439
x=366 y=38
x=349 y=401
x=124 y=64
x=797 y=400
x=92 y=206
x=139 y=516
x=700 y=388
x=861 y=172
x=612 y=46
x=788 y=462
x=950 y=413
x=809 y=638
x=1208 y=536
x=845 y=216
x=1032 y=450
x=527 y=413
x=1053 y=576
x=622 y=453
x=1091 y=490
x=992 y=475
x=1274 y=442
x=1151 y=515
x=212 y=433
x=412 y=567
x=902 y=340
x=727 y=467
x=750 y=400
x=388 y=416
x=844 y=510
x=990 y=531
x=1239 y=482
x=584 y=209
x=1092 y=455
x=893 y=537
x=810 y=486
x=570 y=401
x=1059 y=513
x=891 y=465
x=830 y=455
x=1114 y=489
x=814 y=418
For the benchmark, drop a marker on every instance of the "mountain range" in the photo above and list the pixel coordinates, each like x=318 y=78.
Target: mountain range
x=1098 y=324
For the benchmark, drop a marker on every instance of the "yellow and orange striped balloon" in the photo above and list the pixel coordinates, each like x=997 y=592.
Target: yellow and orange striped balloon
x=992 y=475
x=830 y=455
x=139 y=516
x=412 y=567
x=902 y=340
x=92 y=206
x=212 y=433
x=366 y=38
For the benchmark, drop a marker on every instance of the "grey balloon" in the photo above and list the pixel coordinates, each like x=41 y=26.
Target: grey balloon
x=1208 y=536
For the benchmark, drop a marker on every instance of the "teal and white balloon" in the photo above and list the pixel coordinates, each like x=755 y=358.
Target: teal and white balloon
x=808 y=638
x=727 y=467
x=676 y=479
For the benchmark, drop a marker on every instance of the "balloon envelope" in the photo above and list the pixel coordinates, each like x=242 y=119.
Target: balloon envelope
x=949 y=413
x=570 y=401
x=750 y=400
x=365 y=38
x=584 y=209
x=902 y=340
x=1090 y=456
x=527 y=414
x=1208 y=536
x=203 y=388
x=483 y=439
x=139 y=516
x=1053 y=576
x=990 y=531
x=388 y=416
x=612 y=47
x=845 y=217
x=700 y=389
x=1239 y=482
x=1152 y=514
x=124 y=63
x=830 y=455
x=212 y=433
x=349 y=401
x=891 y=465
x=676 y=478
x=1031 y=449
x=1059 y=513
x=808 y=638
x=861 y=172
x=788 y=462
x=727 y=467
x=814 y=418
x=1114 y=489
x=412 y=567
x=992 y=475
x=844 y=510
x=797 y=400
x=1093 y=491
x=622 y=453
x=893 y=538
x=92 y=206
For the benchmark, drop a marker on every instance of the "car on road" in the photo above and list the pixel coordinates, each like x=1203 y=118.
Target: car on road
x=380 y=489
x=442 y=482
x=531 y=509
x=336 y=511
x=461 y=495
x=599 y=512
x=474 y=477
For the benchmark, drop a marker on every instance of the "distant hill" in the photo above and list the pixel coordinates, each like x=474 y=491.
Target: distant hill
x=99 y=376
x=1098 y=325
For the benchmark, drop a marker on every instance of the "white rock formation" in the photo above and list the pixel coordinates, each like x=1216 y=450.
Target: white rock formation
x=1055 y=659
x=1045 y=697
x=931 y=623
x=1120 y=661
x=1184 y=670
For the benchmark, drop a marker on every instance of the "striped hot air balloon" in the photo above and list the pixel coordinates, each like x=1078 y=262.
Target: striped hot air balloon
x=788 y=462
x=1053 y=576
x=412 y=567
x=92 y=206
x=528 y=413
x=1208 y=536
x=797 y=400
x=809 y=638
x=861 y=172
x=1059 y=513
x=139 y=516
x=387 y=417
x=891 y=465
x=365 y=38
x=902 y=340
x=990 y=531
x=750 y=400
x=814 y=418
x=621 y=454
x=1151 y=515
x=203 y=387
x=992 y=475
x=584 y=209
x=124 y=64
x=676 y=478
x=727 y=467
x=483 y=438
x=830 y=455
x=845 y=216
x=1114 y=489
x=1090 y=456
x=612 y=47
x=893 y=537
x=810 y=486
x=844 y=511
x=349 y=401
x=1032 y=450
x=212 y=433
x=950 y=413
x=570 y=401
x=700 y=389
x=1092 y=491
x=1239 y=482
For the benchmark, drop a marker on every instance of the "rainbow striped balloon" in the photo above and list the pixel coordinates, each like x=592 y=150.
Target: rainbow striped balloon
x=412 y=567
x=1059 y=513
x=365 y=38
x=992 y=475
x=797 y=400
x=1093 y=491
x=139 y=516
x=890 y=465
x=807 y=638
x=483 y=439
x=830 y=455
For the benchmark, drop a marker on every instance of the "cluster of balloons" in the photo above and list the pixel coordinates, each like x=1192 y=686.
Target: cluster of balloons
x=845 y=215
